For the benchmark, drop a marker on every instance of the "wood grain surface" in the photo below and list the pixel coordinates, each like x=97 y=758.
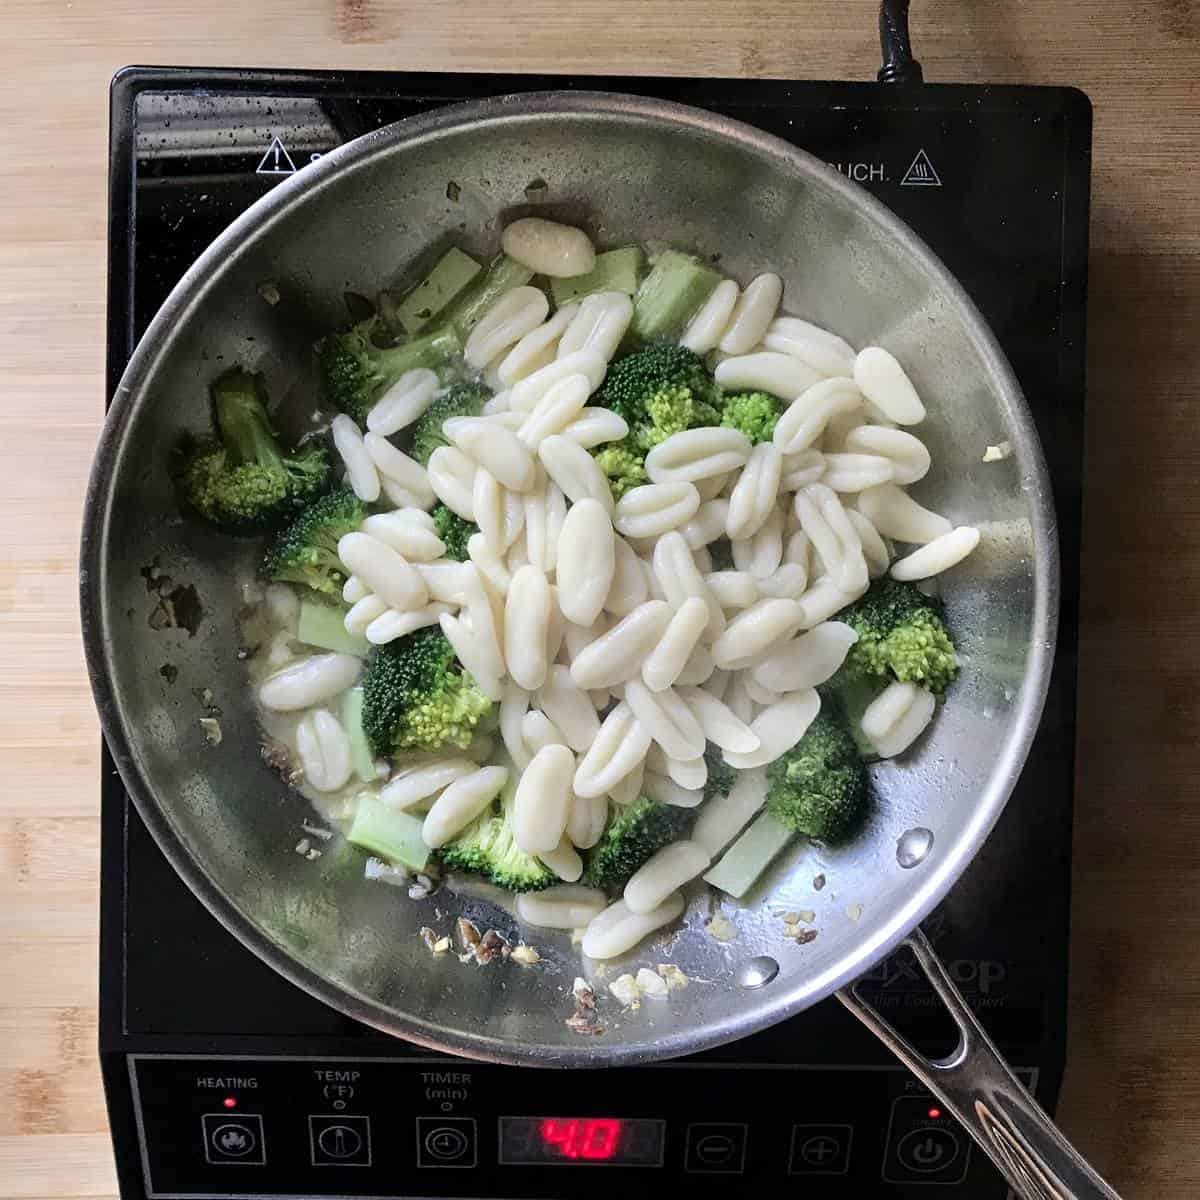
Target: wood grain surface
x=1133 y=1077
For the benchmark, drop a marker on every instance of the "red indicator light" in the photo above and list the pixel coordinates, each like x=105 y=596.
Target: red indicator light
x=592 y=1138
x=934 y=1113
x=229 y=1102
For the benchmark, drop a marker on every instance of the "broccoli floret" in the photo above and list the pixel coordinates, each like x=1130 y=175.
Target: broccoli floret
x=354 y=371
x=306 y=551
x=453 y=531
x=486 y=847
x=753 y=413
x=661 y=390
x=416 y=696
x=721 y=775
x=243 y=481
x=462 y=400
x=820 y=788
x=900 y=634
x=634 y=833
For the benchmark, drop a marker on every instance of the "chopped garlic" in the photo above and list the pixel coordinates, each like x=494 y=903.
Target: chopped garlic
x=441 y=945
x=212 y=730
x=673 y=975
x=525 y=955
x=998 y=453
x=721 y=928
x=625 y=989
x=303 y=846
x=855 y=912
x=651 y=984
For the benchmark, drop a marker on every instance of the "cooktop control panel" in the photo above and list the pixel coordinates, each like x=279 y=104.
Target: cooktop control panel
x=301 y=1127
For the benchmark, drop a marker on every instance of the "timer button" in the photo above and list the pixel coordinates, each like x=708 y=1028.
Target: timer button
x=715 y=1149
x=446 y=1142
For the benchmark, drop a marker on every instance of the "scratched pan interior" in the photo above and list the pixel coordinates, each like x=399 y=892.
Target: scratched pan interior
x=362 y=217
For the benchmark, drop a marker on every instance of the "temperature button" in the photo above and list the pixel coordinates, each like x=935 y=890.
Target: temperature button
x=820 y=1150
x=715 y=1149
x=340 y=1141
x=237 y=1141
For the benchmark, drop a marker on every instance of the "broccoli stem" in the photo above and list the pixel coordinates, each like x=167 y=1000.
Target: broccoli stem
x=393 y=835
x=670 y=295
x=502 y=275
x=242 y=419
x=453 y=272
x=323 y=625
x=428 y=350
x=748 y=857
x=617 y=270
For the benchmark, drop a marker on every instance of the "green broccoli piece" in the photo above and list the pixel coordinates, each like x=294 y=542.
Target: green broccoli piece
x=416 y=696
x=634 y=833
x=721 y=554
x=453 y=531
x=486 y=847
x=354 y=371
x=306 y=551
x=820 y=788
x=462 y=400
x=243 y=481
x=753 y=413
x=721 y=776
x=901 y=635
x=658 y=391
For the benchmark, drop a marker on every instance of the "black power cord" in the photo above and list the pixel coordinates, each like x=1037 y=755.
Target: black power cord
x=899 y=66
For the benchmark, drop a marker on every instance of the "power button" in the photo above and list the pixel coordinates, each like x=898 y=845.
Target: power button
x=924 y=1145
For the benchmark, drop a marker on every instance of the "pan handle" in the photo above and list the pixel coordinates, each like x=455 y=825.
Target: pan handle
x=978 y=1087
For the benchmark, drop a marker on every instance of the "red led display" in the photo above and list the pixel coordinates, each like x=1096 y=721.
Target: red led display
x=592 y=1138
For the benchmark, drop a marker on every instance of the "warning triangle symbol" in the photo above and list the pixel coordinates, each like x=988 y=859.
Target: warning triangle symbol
x=276 y=161
x=921 y=173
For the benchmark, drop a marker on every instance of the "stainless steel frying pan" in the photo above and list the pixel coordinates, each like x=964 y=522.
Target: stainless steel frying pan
x=625 y=168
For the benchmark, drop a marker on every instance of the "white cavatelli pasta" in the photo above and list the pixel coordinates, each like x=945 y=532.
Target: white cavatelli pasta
x=595 y=426
x=414 y=542
x=897 y=717
x=662 y=874
x=823 y=599
x=846 y=472
x=804 y=420
x=789 y=581
x=755 y=690
x=527 y=392
x=577 y=638
x=452 y=477
x=717 y=684
x=514 y=704
x=386 y=573
x=409 y=788
x=565 y=906
x=556 y=630
x=360 y=470
x=561 y=405
x=402 y=403
x=489 y=564
x=733 y=589
x=753 y=314
x=630 y=586
x=545 y=512
x=839 y=427
x=548 y=247
x=895 y=514
x=707 y=525
x=665 y=790
x=392 y=624
x=353 y=590
x=691 y=774
x=909 y=458
x=487 y=501
x=324 y=750
x=667 y=718
x=724 y=817
x=761 y=554
x=754 y=631
x=753 y=497
x=697 y=454
x=575 y=471
x=486 y=622
x=705 y=328
x=806 y=661
x=653 y=509
x=497 y=449
x=779 y=727
x=563 y=860
x=400 y=497
x=668 y=660
x=738 y=700
x=568 y=706
x=416 y=516
x=884 y=383
x=536 y=349
x=515 y=313
x=617 y=929
x=713 y=486
x=542 y=800
x=512 y=421
x=626 y=791
x=600 y=324
x=446 y=580
x=395 y=465
x=678 y=577
x=586 y=560
x=720 y=725
x=874 y=548
x=472 y=652
x=937 y=556
x=464 y=800
x=698 y=668
x=619 y=749
x=496 y=405
x=824 y=352
x=824 y=519
x=617 y=655
x=587 y=819
x=801 y=469
x=766 y=371
x=526 y=617
x=363 y=612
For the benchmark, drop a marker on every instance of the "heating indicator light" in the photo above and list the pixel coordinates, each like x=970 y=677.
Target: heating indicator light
x=229 y=1102
x=934 y=1113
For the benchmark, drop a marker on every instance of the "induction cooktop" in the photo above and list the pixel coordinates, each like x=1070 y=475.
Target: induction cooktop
x=224 y=1080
